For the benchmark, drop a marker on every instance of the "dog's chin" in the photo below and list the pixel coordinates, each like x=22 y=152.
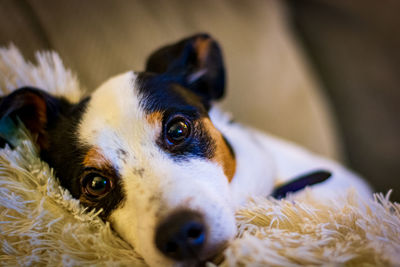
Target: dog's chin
x=214 y=255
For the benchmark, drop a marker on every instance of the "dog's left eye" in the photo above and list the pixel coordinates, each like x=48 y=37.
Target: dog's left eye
x=177 y=130
x=96 y=185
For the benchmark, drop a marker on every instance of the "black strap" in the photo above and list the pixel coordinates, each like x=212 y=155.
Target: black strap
x=300 y=183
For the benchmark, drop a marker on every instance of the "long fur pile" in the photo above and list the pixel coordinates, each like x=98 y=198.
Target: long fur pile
x=41 y=224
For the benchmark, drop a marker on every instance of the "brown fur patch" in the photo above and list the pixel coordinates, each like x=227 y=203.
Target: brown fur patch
x=154 y=118
x=222 y=154
x=95 y=159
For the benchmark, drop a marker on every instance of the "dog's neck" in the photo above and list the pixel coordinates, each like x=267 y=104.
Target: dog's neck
x=255 y=171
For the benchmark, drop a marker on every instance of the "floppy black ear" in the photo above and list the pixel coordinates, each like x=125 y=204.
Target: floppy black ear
x=34 y=108
x=198 y=60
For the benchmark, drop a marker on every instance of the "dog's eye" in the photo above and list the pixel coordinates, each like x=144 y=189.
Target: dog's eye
x=177 y=130
x=96 y=185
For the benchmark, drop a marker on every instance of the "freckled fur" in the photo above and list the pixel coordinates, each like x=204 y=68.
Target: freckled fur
x=122 y=154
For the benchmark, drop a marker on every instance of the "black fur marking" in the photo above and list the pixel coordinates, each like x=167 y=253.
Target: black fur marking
x=181 y=59
x=66 y=155
x=3 y=142
x=162 y=93
x=34 y=108
x=300 y=183
x=62 y=149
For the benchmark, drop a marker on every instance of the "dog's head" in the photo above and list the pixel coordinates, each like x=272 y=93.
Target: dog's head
x=143 y=149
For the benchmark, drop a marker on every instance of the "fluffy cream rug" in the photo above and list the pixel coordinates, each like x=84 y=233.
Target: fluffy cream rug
x=41 y=224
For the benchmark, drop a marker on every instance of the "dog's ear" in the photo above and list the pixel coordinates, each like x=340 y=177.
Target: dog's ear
x=197 y=60
x=34 y=108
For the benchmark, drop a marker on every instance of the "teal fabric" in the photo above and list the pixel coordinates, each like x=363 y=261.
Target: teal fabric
x=9 y=131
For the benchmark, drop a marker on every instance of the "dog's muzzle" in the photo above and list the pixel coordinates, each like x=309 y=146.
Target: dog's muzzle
x=182 y=236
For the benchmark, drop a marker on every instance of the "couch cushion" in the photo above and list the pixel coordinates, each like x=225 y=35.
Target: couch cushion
x=270 y=85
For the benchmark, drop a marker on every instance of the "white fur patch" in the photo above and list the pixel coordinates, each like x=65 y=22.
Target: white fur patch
x=248 y=152
x=154 y=184
x=274 y=160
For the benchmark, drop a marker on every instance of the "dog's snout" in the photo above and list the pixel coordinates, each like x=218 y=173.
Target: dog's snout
x=182 y=235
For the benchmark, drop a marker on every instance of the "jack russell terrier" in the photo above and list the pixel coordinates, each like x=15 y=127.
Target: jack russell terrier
x=165 y=166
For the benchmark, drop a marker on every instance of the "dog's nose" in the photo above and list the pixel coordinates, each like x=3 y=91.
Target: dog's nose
x=182 y=235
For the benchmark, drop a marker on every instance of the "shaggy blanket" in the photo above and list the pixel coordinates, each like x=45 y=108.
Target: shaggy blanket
x=41 y=224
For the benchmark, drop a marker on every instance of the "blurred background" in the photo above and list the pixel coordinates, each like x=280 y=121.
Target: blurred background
x=322 y=73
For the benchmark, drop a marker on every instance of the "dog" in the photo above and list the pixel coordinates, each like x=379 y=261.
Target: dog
x=165 y=166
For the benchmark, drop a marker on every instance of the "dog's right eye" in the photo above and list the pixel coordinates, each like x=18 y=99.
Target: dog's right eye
x=95 y=185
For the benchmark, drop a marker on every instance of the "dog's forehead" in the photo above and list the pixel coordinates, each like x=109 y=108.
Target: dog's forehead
x=115 y=98
x=132 y=96
x=114 y=119
x=128 y=109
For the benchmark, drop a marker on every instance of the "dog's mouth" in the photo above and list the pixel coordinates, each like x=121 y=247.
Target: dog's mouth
x=219 y=257
x=214 y=259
